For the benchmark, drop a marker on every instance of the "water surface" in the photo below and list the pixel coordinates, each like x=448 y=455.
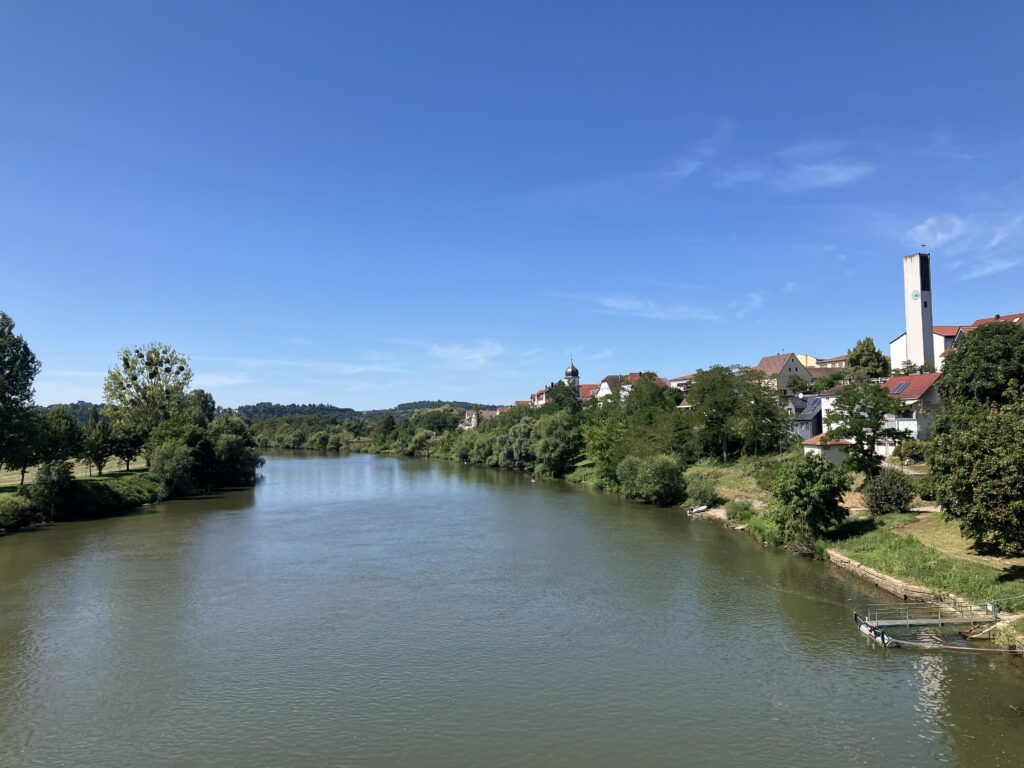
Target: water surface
x=382 y=612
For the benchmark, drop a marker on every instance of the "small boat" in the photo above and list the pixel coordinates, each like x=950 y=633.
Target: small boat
x=876 y=634
x=696 y=510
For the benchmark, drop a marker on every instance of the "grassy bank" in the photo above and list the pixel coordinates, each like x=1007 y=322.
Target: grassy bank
x=89 y=498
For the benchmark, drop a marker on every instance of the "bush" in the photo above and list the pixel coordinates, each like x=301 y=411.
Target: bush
x=910 y=451
x=922 y=485
x=171 y=465
x=888 y=492
x=702 y=490
x=740 y=511
x=806 y=501
x=766 y=471
x=16 y=511
x=653 y=479
x=52 y=489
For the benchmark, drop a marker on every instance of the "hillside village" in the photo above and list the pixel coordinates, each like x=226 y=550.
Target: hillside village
x=919 y=352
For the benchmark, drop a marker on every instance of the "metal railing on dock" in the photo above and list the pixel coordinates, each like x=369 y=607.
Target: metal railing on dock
x=928 y=615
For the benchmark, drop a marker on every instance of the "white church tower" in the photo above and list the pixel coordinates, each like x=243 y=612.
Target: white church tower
x=917 y=298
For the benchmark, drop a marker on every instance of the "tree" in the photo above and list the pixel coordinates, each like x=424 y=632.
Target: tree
x=865 y=359
x=807 y=499
x=859 y=415
x=980 y=366
x=715 y=396
x=23 y=442
x=758 y=423
x=559 y=443
x=654 y=479
x=60 y=437
x=977 y=472
x=171 y=464
x=888 y=492
x=97 y=441
x=828 y=381
x=18 y=369
x=127 y=440
x=146 y=384
x=51 y=489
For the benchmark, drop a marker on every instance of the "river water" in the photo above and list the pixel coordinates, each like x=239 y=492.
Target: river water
x=382 y=612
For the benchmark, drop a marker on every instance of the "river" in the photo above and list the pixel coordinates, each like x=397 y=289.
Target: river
x=368 y=611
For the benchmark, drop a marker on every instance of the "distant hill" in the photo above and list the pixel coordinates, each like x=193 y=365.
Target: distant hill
x=274 y=410
x=80 y=410
x=420 y=405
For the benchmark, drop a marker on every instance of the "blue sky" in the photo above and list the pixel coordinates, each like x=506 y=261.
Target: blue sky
x=369 y=203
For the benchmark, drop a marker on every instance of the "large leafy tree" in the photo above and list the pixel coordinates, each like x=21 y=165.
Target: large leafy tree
x=867 y=360
x=759 y=424
x=807 y=498
x=97 y=441
x=859 y=415
x=980 y=366
x=559 y=443
x=715 y=397
x=146 y=384
x=977 y=469
x=18 y=369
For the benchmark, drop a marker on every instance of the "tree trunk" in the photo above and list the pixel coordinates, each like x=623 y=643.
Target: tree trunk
x=23 y=470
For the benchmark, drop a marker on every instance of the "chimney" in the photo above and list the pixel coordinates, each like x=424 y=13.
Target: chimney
x=917 y=287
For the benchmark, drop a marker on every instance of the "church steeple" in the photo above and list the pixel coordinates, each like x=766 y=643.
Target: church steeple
x=572 y=377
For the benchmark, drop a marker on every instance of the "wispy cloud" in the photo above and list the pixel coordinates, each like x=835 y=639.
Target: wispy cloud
x=814 y=164
x=467 y=355
x=790 y=286
x=753 y=303
x=975 y=245
x=650 y=309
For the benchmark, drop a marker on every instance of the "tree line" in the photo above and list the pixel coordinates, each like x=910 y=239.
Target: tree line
x=150 y=412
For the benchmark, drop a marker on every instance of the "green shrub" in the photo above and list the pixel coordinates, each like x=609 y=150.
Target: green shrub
x=807 y=500
x=51 y=491
x=171 y=465
x=922 y=485
x=767 y=470
x=764 y=530
x=888 y=492
x=653 y=479
x=910 y=450
x=740 y=511
x=702 y=490
x=16 y=511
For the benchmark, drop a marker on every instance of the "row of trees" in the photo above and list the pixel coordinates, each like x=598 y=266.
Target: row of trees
x=150 y=410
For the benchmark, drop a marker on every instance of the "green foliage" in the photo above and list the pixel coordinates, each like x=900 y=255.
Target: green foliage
x=265 y=410
x=807 y=499
x=126 y=442
x=977 y=472
x=828 y=381
x=100 y=497
x=18 y=369
x=739 y=511
x=16 y=511
x=59 y=437
x=171 y=465
x=979 y=368
x=867 y=360
x=234 y=450
x=97 y=441
x=516 y=447
x=436 y=420
x=146 y=385
x=702 y=490
x=51 y=490
x=559 y=443
x=911 y=451
x=653 y=479
x=888 y=492
x=922 y=485
x=859 y=415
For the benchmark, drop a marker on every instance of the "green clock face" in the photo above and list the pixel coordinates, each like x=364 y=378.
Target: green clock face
x=915 y=295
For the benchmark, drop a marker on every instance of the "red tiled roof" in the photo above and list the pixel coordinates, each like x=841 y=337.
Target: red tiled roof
x=817 y=373
x=684 y=377
x=522 y=402
x=946 y=330
x=823 y=439
x=587 y=391
x=773 y=364
x=836 y=359
x=1018 y=319
x=915 y=388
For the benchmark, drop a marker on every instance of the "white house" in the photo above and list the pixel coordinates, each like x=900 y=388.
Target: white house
x=624 y=384
x=833 y=450
x=919 y=394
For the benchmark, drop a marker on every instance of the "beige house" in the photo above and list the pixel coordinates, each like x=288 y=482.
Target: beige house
x=833 y=450
x=784 y=372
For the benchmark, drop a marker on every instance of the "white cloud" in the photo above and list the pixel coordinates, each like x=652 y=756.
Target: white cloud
x=651 y=310
x=790 y=286
x=814 y=164
x=936 y=231
x=973 y=246
x=469 y=356
x=753 y=303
